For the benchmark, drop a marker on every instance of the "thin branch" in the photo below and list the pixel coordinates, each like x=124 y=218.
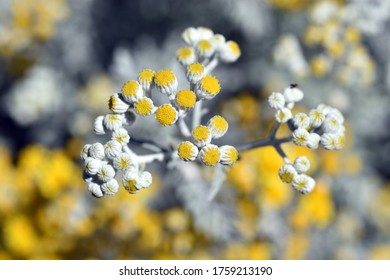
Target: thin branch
x=211 y=65
x=197 y=114
x=184 y=130
x=262 y=143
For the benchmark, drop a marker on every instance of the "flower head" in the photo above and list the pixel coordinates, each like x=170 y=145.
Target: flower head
x=303 y=183
x=313 y=141
x=293 y=94
x=218 y=41
x=283 y=115
x=229 y=155
x=166 y=115
x=287 y=173
x=166 y=82
x=145 y=79
x=204 y=48
x=218 y=126
x=92 y=165
x=201 y=135
x=316 y=117
x=98 y=127
x=106 y=172
x=84 y=152
x=195 y=72
x=144 y=106
x=185 y=99
x=230 y=52
x=301 y=120
x=331 y=124
x=208 y=87
x=276 y=100
x=210 y=155
x=145 y=179
x=117 y=105
x=121 y=136
x=187 y=151
x=95 y=190
x=113 y=121
x=123 y=161
x=302 y=164
x=300 y=137
x=132 y=91
x=111 y=187
x=97 y=151
x=186 y=56
x=112 y=149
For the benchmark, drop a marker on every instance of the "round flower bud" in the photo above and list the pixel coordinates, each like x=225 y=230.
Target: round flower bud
x=325 y=109
x=132 y=91
x=218 y=41
x=111 y=187
x=208 y=87
x=287 y=173
x=144 y=106
x=130 y=182
x=98 y=126
x=283 y=115
x=340 y=141
x=335 y=112
x=187 y=151
x=303 y=183
x=329 y=141
x=186 y=56
x=230 y=52
x=204 y=33
x=113 y=121
x=276 y=100
x=331 y=124
x=210 y=155
x=218 y=126
x=106 y=172
x=293 y=94
x=302 y=164
x=195 y=72
x=185 y=99
x=229 y=155
x=112 y=149
x=166 y=115
x=121 y=136
x=166 y=82
x=300 y=137
x=301 y=120
x=314 y=141
x=201 y=135
x=123 y=161
x=117 y=105
x=316 y=118
x=92 y=165
x=97 y=151
x=95 y=190
x=145 y=179
x=190 y=36
x=84 y=152
x=145 y=79
x=204 y=48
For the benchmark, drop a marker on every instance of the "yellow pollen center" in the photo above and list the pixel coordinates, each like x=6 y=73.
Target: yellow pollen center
x=184 y=53
x=219 y=123
x=211 y=156
x=146 y=75
x=318 y=115
x=235 y=49
x=130 y=186
x=211 y=85
x=300 y=139
x=186 y=98
x=164 y=78
x=185 y=150
x=144 y=107
x=196 y=69
x=341 y=141
x=124 y=163
x=201 y=133
x=114 y=118
x=166 y=115
x=301 y=184
x=232 y=155
x=130 y=88
x=287 y=177
x=204 y=45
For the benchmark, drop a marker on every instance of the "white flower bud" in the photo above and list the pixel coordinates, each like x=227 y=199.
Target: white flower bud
x=229 y=155
x=325 y=109
x=111 y=187
x=300 y=137
x=84 y=152
x=92 y=165
x=335 y=112
x=190 y=36
x=287 y=173
x=301 y=120
x=204 y=33
x=121 y=136
x=302 y=164
x=106 y=172
x=123 y=161
x=313 y=141
x=117 y=105
x=95 y=190
x=230 y=52
x=145 y=179
x=331 y=123
x=276 y=100
x=329 y=141
x=130 y=182
x=112 y=149
x=303 y=183
x=96 y=151
x=316 y=117
x=98 y=126
x=218 y=41
x=293 y=94
x=113 y=121
x=283 y=115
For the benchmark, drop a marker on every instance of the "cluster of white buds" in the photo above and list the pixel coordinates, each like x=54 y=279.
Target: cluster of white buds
x=201 y=147
x=322 y=125
x=103 y=161
x=294 y=174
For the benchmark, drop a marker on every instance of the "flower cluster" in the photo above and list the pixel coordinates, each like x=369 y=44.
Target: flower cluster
x=208 y=153
x=103 y=161
x=322 y=125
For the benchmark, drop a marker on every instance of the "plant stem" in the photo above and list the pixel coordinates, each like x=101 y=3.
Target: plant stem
x=184 y=130
x=197 y=115
x=262 y=143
